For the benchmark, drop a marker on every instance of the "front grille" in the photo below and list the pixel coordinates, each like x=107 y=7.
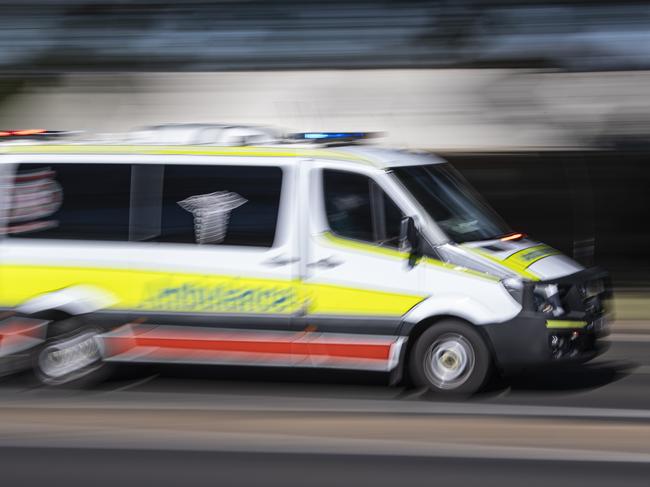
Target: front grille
x=581 y=300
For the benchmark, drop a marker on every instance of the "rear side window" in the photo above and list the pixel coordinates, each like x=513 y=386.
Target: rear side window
x=70 y=201
x=227 y=205
x=359 y=209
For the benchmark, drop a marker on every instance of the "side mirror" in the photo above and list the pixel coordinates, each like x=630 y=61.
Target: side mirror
x=411 y=241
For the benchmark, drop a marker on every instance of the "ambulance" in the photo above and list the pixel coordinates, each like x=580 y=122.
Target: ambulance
x=231 y=245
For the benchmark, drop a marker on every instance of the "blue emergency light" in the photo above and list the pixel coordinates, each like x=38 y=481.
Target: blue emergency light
x=331 y=136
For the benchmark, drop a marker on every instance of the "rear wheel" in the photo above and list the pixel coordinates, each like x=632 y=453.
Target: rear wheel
x=450 y=358
x=71 y=358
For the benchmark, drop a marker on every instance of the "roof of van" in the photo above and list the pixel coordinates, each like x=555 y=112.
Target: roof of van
x=377 y=157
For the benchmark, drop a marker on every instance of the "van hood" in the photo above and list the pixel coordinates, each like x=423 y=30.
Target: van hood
x=526 y=258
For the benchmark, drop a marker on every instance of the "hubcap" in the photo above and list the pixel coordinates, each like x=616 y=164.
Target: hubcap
x=449 y=361
x=69 y=356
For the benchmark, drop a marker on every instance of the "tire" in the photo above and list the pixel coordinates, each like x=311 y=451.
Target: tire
x=70 y=357
x=450 y=358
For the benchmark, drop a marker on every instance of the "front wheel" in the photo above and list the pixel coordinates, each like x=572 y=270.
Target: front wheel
x=450 y=358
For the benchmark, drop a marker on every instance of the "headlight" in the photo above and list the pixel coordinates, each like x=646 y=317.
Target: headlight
x=547 y=299
x=515 y=287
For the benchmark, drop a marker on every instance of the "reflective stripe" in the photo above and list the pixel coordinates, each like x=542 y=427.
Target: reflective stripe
x=527 y=257
x=565 y=324
x=514 y=266
x=451 y=267
x=367 y=247
x=247 y=151
x=18 y=334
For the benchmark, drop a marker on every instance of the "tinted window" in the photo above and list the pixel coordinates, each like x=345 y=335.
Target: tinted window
x=347 y=203
x=357 y=208
x=228 y=205
x=71 y=201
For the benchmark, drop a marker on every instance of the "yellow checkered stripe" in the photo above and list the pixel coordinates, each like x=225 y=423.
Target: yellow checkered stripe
x=146 y=290
x=520 y=261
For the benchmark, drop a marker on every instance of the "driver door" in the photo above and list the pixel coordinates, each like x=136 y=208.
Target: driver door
x=357 y=279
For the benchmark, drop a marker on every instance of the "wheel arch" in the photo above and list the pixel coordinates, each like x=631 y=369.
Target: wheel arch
x=64 y=304
x=72 y=301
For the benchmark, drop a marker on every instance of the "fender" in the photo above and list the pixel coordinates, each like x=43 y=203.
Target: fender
x=74 y=300
x=461 y=306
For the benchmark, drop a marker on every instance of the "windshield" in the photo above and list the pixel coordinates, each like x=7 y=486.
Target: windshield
x=452 y=202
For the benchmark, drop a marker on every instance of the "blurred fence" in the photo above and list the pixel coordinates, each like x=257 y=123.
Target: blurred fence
x=470 y=109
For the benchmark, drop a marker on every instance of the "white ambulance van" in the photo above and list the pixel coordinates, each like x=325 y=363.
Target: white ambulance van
x=309 y=251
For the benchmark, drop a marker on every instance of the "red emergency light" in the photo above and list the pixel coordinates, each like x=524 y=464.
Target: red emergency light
x=24 y=132
x=513 y=236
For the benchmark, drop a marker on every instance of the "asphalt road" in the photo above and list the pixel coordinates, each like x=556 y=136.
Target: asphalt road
x=109 y=468
x=586 y=425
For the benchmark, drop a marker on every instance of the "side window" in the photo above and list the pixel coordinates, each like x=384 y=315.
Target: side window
x=347 y=204
x=70 y=201
x=229 y=205
x=358 y=208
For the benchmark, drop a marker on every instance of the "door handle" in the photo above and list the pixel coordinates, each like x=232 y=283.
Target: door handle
x=280 y=260
x=326 y=263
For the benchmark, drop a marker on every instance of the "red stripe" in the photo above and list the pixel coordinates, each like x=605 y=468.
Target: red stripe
x=355 y=350
x=18 y=326
x=299 y=344
x=215 y=345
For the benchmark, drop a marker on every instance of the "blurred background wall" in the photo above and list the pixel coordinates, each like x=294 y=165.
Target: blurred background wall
x=435 y=108
x=544 y=105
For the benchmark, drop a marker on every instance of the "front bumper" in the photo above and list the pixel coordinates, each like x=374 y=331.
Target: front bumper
x=531 y=340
